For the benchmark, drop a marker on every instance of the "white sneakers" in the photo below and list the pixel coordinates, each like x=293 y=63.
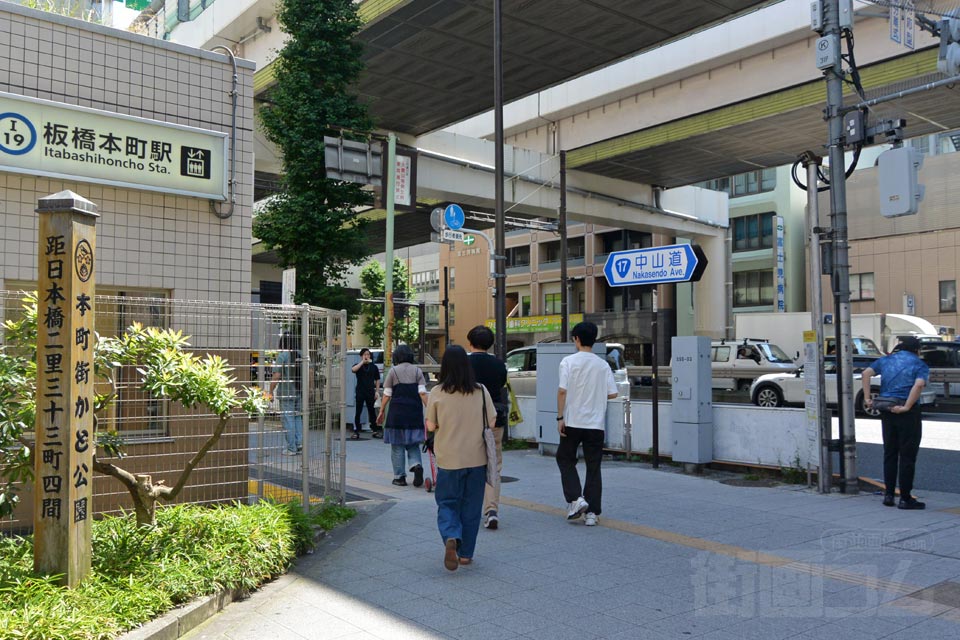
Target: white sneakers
x=577 y=508
x=590 y=519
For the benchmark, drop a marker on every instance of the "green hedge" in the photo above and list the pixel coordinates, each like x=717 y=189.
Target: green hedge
x=140 y=573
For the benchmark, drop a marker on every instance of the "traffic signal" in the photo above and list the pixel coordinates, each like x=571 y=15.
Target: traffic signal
x=948 y=60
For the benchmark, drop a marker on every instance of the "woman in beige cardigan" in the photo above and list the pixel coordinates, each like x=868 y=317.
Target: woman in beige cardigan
x=455 y=414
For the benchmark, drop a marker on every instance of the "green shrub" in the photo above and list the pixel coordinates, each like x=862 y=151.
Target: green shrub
x=141 y=572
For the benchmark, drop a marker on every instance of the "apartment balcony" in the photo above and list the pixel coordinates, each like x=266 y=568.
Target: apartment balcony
x=555 y=264
x=518 y=269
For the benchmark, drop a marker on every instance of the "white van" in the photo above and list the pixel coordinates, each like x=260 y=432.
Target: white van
x=746 y=354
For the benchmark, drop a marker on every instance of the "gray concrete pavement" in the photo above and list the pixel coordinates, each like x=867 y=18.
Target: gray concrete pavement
x=674 y=556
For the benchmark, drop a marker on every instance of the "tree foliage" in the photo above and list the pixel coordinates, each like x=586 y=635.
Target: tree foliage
x=311 y=222
x=167 y=371
x=372 y=281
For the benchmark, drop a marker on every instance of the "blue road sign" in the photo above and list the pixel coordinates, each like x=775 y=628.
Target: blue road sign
x=453 y=217
x=657 y=265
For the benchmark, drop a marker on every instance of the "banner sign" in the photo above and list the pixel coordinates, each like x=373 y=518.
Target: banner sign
x=536 y=324
x=780 y=256
x=44 y=138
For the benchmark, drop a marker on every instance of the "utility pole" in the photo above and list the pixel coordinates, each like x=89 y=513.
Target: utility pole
x=564 y=294
x=811 y=162
x=500 y=277
x=830 y=42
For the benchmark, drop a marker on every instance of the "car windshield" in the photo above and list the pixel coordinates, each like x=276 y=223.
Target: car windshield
x=773 y=353
x=865 y=347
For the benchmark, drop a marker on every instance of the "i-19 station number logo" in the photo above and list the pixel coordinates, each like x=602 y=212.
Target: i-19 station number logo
x=17 y=134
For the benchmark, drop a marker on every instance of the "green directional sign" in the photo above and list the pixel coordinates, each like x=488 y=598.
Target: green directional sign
x=469 y=240
x=139 y=5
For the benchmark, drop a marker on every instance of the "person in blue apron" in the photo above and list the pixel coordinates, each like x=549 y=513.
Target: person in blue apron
x=405 y=393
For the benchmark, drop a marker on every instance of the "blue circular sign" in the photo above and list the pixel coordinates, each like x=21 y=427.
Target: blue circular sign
x=17 y=134
x=453 y=217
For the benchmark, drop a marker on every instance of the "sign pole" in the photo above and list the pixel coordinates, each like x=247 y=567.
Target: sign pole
x=63 y=454
x=389 y=186
x=655 y=409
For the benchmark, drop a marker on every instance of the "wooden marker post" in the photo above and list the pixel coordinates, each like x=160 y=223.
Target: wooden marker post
x=63 y=455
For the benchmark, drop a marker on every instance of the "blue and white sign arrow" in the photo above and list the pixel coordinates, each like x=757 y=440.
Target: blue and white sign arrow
x=657 y=265
x=453 y=217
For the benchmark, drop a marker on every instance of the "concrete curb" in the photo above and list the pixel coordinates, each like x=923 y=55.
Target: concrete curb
x=176 y=623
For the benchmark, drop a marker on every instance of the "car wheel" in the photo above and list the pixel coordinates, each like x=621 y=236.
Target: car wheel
x=768 y=396
x=743 y=385
x=858 y=406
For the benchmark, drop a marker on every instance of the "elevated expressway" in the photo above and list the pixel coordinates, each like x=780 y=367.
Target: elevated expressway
x=639 y=94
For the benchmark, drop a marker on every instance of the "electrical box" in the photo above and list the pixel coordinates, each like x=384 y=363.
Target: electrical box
x=827 y=54
x=692 y=409
x=899 y=182
x=549 y=355
x=816 y=16
x=853 y=127
x=846 y=14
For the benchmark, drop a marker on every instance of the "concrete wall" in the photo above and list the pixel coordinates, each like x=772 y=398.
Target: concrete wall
x=145 y=239
x=742 y=434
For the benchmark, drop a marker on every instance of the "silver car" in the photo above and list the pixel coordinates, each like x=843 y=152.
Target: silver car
x=780 y=389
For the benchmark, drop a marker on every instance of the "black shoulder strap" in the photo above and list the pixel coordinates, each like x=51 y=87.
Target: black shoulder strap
x=483 y=401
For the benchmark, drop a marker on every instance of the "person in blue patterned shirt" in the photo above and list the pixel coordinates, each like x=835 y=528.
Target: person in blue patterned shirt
x=903 y=376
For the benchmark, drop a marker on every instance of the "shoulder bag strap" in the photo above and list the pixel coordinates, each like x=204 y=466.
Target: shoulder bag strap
x=483 y=401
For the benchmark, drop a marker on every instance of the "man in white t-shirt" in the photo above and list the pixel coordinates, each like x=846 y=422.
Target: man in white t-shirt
x=586 y=383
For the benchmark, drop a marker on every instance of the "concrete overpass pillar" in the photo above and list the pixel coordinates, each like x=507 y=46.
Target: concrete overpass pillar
x=709 y=295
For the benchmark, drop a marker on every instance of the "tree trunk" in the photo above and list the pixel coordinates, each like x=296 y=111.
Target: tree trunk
x=141 y=487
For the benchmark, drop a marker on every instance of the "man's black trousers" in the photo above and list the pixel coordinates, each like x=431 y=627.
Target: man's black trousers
x=365 y=401
x=592 y=441
x=901 y=442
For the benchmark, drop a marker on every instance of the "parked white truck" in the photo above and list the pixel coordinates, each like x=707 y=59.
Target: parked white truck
x=786 y=330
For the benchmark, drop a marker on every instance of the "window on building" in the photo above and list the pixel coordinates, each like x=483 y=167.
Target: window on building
x=452 y=277
x=550 y=251
x=551 y=303
x=453 y=312
x=525 y=306
x=744 y=184
x=861 y=286
x=271 y=292
x=623 y=240
x=638 y=298
x=426 y=281
x=753 y=232
x=518 y=256
x=431 y=315
x=753 y=288
x=948 y=296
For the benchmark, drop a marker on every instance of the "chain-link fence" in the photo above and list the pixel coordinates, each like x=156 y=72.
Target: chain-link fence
x=295 y=451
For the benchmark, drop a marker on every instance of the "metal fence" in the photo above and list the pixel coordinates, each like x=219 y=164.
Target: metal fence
x=257 y=457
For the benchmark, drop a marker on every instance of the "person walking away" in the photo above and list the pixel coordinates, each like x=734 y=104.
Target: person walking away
x=903 y=375
x=368 y=388
x=455 y=415
x=586 y=383
x=285 y=377
x=492 y=374
x=405 y=392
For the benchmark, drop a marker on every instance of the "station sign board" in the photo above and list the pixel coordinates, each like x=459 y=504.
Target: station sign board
x=55 y=140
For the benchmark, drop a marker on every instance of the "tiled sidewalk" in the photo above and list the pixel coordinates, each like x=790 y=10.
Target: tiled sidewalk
x=674 y=557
